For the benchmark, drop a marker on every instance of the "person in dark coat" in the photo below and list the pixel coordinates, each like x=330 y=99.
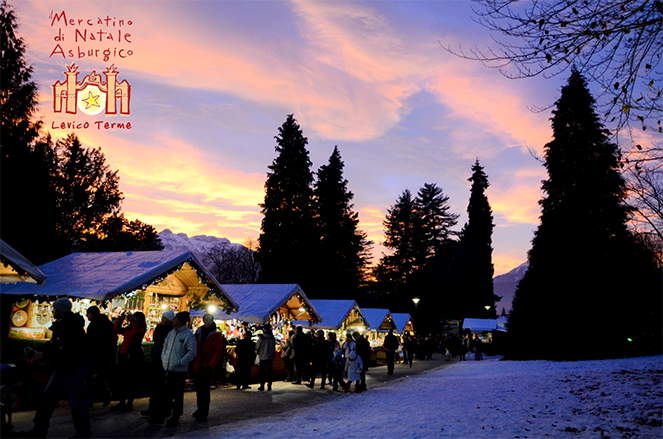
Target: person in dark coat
x=320 y=357
x=66 y=352
x=288 y=356
x=101 y=344
x=246 y=355
x=210 y=346
x=336 y=364
x=130 y=359
x=156 y=405
x=390 y=345
x=364 y=351
x=409 y=347
x=301 y=344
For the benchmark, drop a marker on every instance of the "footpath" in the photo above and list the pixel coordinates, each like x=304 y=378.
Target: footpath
x=228 y=405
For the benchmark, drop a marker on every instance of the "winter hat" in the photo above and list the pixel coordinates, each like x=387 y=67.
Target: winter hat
x=62 y=305
x=169 y=315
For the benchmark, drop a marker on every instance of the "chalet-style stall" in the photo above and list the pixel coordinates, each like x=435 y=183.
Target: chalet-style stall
x=403 y=323
x=147 y=281
x=340 y=316
x=277 y=304
x=379 y=322
x=14 y=267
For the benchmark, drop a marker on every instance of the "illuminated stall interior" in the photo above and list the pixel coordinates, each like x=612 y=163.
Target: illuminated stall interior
x=403 y=323
x=150 y=282
x=379 y=322
x=14 y=267
x=277 y=304
x=339 y=316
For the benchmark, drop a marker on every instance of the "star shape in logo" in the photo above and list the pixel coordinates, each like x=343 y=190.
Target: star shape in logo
x=91 y=100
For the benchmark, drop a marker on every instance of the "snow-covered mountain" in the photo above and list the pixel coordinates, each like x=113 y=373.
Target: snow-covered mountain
x=199 y=245
x=505 y=285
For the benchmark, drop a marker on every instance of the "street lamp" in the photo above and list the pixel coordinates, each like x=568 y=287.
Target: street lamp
x=416 y=301
x=487 y=307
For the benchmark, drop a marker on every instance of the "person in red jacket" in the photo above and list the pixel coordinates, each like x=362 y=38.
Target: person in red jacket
x=130 y=358
x=210 y=346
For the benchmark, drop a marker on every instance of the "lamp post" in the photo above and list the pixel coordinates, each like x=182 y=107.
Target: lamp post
x=416 y=301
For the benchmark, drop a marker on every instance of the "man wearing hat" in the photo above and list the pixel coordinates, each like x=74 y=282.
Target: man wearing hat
x=65 y=352
x=156 y=407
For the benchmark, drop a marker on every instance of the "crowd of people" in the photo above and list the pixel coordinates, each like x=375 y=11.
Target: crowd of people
x=104 y=371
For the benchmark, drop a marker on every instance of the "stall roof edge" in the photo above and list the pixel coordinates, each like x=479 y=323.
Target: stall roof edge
x=18 y=262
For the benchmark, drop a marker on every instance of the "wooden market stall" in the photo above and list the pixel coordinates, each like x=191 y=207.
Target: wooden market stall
x=403 y=323
x=340 y=316
x=277 y=304
x=379 y=322
x=14 y=267
x=147 y=281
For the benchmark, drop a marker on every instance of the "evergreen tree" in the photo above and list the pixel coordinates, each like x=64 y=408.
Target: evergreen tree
x=590 y=287
x=343 y=247
x=87 y=193
x=27 y=203
x=436 y=219
x=396 y=271
x=476 y=266
x=289 y=241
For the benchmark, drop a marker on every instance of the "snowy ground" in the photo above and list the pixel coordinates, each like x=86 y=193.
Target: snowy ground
x=496 y=399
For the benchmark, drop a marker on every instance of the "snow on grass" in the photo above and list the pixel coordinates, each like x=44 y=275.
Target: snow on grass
x=620 y=398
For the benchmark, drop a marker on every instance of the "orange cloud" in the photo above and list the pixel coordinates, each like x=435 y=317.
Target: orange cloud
x=518 y=204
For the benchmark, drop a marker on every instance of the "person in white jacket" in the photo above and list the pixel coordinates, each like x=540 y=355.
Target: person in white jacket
x=353 y=363
x=179 y=349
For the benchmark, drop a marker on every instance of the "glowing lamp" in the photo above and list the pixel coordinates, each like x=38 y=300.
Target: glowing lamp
x=211 y=309
x=164 y=306
x=416 y=300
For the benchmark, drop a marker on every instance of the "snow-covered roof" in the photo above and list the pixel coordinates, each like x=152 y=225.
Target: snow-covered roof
x=376 y=317
x=400 y=320
x=480 y=325
x=257 y=302
x=104 y=275
x=21 y=270
x=332 y=312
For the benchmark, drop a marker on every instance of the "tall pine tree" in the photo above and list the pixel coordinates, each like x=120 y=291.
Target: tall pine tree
x=590 y=290
x=476 y=265
x=289 y=240
x=437 y=220
x=403 y=233
x=433 y=282
x=27 y=202
x=343 y=247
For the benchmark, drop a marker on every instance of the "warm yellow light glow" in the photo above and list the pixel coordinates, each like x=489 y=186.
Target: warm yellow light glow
x=164 y=306
x=211 y=309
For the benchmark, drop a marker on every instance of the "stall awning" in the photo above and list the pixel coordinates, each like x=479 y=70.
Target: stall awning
x=480 y=325
x=400 y=320
x=333 y=312
x=378 y=318
x=104 y=275
x=14 y=267
x=257 y=302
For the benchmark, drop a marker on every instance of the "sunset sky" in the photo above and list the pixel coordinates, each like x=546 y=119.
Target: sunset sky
x=212 y=81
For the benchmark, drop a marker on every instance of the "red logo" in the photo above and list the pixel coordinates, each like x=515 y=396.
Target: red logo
x=93 y=94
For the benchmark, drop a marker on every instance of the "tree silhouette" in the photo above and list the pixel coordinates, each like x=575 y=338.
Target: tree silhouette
x=289 y=241
x=27 y=202
x=591 y=286
x=476 y=266
x=343 y=247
